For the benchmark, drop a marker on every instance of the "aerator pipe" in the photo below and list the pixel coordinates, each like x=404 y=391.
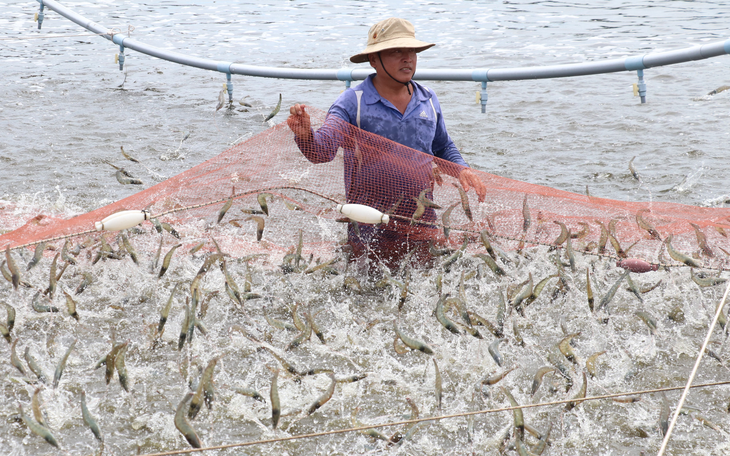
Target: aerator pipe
x=503 y=74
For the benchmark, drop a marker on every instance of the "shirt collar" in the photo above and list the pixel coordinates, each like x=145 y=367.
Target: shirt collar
x=371 y=96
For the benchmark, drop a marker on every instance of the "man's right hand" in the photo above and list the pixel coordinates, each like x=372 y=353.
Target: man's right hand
x=299 y=122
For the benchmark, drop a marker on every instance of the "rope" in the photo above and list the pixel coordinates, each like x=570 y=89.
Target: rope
x=435 y=418
x=694 y=372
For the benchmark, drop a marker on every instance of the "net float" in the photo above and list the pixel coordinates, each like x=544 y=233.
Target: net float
x=637 y=265
x=362 y=214
x=122 y=220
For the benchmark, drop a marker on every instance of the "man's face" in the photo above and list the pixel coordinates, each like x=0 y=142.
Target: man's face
x=400 y=62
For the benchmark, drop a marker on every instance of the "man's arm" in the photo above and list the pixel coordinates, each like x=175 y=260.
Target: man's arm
x=320 y=146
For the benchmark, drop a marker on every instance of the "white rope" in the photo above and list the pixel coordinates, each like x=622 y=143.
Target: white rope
x=694 y=372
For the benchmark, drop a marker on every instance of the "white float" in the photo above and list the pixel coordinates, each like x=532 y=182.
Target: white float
x=363 y=214
x=122 y=220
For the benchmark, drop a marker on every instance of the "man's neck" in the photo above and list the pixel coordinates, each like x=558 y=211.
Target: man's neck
x=393 y=91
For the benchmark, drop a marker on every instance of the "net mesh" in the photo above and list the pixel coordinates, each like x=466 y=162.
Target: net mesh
x=306 y=183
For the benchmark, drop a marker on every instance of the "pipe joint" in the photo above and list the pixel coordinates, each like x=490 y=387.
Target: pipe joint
x=229 y=87
x=121 y=58
x=39 y=17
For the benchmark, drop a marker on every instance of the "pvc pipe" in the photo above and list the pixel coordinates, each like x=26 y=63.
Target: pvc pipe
x=345 y=74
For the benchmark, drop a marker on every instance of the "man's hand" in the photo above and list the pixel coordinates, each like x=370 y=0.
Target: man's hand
x=469 y=179
x=298 y=121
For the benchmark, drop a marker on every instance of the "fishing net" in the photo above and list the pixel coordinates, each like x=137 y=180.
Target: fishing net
x=649 y=341
x=379 y=173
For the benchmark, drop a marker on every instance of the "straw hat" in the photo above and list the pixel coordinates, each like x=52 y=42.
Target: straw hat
x=390 y=34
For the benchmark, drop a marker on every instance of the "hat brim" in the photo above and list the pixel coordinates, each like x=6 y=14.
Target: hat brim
x=391 y=44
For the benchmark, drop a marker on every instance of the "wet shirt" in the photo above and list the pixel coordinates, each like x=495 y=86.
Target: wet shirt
x=421 y=127
x=374 y=178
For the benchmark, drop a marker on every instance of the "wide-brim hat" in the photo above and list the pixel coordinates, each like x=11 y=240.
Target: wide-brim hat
x=390 y=34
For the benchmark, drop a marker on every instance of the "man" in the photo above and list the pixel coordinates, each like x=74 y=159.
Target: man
x=389 y=104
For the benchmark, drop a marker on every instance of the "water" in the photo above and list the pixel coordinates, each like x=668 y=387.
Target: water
x=63 y=115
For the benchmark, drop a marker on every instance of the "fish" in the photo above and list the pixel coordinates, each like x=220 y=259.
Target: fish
x=38 y=429
x=481 y=321
x=442 y=318
x=633 y=288
x=121 y=367
x=14 y=360
x=5 y=332
x=494 y=351
x=167 y=227
x=62 y=364
x=645 y=225
x=275 y=111
x=591 y=362
x=537 y=380
x=277 y=323
x=110 y=361
x=612 y=291
x=564 y=234
x=37 y=255
x=464 y=201
x=438 y=384
x=501 y=310
x=317 y=332
x=519 y=420
x=566 y=349
x=305 y=334
x=274 y=396
x=603 y=239
x=126 y=180
x=38 y=307
x=259 y=225
x=11 y=316
x=52 y=279
x=664 y=415
x=446 y=265
x=156 y=259
x=702 y=240
x=569 y=253
x=524 y=293
x=13 y=268
x=627 y=400
x=224 y=209
x=538 y=289
x=127 y=156
x=719 y=90
x=128 y=247
x=166 y=310
x=324 y=398
x=494 y=379
x=250 y=393
x=221 y=98
x=207 y=378
x=34 y=367
x=420 y=209
x=166 y=260
x=182 y=424
x=540 y=446
x=71 y=306
x=581 y=394
x=36 y=407
x=706 y=281
x=411 y=343
x=633 y=170
x=193 y=250
x=374 y=433
x=425 y=201
x=516 y=332
x=677 y=256
x=89 y=419
x=491 y=263
x=526 y=221
x=484 y=236
x=646 y=318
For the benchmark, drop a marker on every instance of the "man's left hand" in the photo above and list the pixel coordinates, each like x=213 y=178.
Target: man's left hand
x=469 y=179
